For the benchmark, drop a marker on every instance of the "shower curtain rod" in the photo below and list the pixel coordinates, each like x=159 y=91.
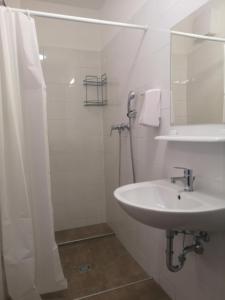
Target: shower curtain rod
x=111 y=23
x=79 y=19
x=198 y=36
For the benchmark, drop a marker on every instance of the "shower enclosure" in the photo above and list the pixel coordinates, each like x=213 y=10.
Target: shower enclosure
x=77 y=85
x=75 y=75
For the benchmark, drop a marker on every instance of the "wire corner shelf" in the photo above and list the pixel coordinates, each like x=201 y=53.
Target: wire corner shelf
x=96 y=90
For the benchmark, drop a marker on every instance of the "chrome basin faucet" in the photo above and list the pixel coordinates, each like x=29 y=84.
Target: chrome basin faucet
x=188 y=179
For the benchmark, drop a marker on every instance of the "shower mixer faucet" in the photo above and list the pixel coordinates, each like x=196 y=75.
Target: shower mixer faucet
x=119 y=127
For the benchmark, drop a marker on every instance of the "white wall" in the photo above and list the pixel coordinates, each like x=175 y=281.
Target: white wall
x=63 y=33
x=138 y=62
x=75 y=138
x=120 y=11
x=13 y=3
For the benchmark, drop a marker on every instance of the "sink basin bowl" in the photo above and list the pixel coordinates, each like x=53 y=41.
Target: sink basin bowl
x=164 y=205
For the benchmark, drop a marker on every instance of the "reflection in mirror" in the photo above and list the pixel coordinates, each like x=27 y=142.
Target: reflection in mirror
x=197 y=68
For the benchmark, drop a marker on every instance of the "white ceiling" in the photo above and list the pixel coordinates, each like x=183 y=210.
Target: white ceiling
x=89 y=4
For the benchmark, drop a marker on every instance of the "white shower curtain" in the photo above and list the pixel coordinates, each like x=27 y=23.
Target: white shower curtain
x=30 y=254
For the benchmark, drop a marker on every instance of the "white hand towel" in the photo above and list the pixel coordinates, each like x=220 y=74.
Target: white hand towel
x=150 y=113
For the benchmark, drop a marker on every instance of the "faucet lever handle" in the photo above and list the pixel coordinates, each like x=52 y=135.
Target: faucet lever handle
x=187 y=171
x=113 y=127
x=182 y=168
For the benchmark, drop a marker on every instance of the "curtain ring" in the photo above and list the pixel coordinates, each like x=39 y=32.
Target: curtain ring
x=28 y=14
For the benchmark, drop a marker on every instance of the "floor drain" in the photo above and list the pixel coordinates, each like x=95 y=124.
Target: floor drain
x=84 y=268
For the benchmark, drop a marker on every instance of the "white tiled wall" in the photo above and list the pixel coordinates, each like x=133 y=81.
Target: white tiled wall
x=75 y=138
x=134 y=61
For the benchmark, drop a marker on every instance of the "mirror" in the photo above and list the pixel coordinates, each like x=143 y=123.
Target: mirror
x=198 y=68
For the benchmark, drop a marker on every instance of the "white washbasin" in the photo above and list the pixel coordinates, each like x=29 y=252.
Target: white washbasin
x=164 y=205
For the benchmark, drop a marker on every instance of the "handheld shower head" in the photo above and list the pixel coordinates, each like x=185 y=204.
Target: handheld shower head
x=131 y=95
x=130 y=112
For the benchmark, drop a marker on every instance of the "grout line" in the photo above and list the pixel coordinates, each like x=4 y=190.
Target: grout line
x=114 y=289
x=86 y=239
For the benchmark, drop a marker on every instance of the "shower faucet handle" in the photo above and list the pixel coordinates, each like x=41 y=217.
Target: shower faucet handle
x=120 y=127
x=114 y=127
x=186 y=170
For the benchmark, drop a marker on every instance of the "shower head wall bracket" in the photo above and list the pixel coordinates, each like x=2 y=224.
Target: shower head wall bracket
x=131 y=113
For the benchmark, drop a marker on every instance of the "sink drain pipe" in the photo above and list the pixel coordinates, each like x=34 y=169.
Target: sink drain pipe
x=196 y=247
x=170 y=234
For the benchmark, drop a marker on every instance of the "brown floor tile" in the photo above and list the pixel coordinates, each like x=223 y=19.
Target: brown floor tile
x=110 y=266
x=82 y=232
x=147 y=290
x=56 y=296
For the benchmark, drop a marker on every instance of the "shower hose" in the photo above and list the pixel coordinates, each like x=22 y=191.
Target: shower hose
x=131 y=153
